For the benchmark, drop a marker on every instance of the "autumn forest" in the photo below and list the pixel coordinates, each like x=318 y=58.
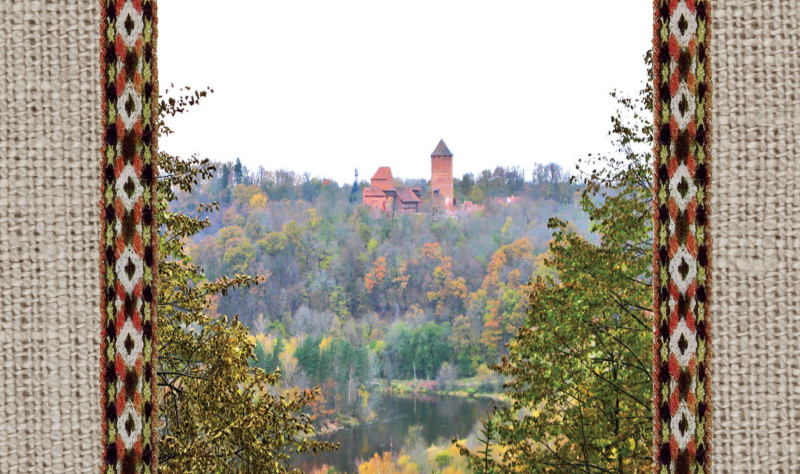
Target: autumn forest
x=293 y=308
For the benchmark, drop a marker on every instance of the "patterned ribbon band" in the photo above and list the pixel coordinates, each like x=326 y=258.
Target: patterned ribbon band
x=681 y=268
x=129 y=239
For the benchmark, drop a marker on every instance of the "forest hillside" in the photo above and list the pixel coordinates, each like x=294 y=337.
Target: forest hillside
x=425 y=295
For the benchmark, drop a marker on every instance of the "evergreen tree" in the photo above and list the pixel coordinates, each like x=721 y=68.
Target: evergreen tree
x=238 y=173
x=226 y=176
x=355 y=193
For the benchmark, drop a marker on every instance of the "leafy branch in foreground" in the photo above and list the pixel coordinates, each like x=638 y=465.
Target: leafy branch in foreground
x=216 y=412
x=579 y=369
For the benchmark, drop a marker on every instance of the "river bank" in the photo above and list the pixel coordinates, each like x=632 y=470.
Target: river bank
x=464 y=388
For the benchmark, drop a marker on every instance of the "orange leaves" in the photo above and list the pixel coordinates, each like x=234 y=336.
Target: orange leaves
x=377 y=275
x=402 y=276
x=431 y=250
x=504 y=259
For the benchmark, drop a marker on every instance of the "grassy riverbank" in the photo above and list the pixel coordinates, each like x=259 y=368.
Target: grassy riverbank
x=472 y=387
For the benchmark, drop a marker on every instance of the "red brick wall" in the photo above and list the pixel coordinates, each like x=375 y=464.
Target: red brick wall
x=381 y=183
x=442 y=179
x=380 y=201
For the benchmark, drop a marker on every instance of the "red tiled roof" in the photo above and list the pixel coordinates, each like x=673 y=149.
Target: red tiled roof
x=406 y=195
x=384 y=172
x=372 y=191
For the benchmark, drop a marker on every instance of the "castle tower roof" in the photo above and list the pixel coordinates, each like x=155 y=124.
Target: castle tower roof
x=441 y=150
x=384 y=172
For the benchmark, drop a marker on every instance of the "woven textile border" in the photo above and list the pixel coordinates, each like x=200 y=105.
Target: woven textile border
x=49 y=170
x=129 y=239
x=682 y=245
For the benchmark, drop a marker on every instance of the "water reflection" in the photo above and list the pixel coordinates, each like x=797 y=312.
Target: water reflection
x=440 y=419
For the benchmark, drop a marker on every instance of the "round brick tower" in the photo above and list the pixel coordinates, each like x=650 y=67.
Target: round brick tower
x=442 y=176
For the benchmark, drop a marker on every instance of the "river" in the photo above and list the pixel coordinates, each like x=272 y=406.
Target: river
x=441 y=418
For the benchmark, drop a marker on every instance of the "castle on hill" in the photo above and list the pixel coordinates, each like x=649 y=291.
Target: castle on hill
x=384 y=195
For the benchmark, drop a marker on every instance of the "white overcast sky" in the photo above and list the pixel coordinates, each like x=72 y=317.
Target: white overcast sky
x=328 y=86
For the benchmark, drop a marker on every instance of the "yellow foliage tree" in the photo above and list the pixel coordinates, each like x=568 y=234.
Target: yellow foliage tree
x=242 y=194
x=385 y=464
x=258 y=201
x=288 y=360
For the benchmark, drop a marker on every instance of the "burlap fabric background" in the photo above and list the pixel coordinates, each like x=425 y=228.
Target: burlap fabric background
x=756 y=232
x=49 y=236
x=49 y=222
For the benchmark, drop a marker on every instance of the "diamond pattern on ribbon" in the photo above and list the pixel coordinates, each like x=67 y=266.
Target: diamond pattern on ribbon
x=683 y=269
x=129 y=269
x=683 y=106
x=683 y=24
x=682 y=188
x=129 y=106
x=683 y=344
x=129 y=344
x=681 y=244
x=129 y=24
x=128 y=190
x=683 y=425
x=129 y=426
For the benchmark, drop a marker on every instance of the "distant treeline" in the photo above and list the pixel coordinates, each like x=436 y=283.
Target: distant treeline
x=380 y=296
x=547 y=181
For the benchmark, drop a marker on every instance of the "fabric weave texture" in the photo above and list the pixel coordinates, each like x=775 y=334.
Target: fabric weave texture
x=49 y=232
x=755 y=198
x=51 y=414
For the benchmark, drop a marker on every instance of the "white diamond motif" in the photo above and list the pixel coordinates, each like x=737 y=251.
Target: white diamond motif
x=129 y=332
x=682 y=437
x=682 y=12
x=128 y=16
x=129 y=437
x=681 y=95
x=682 y=256
x=127 y=258
x=129 y=95
x=127 y=176
x=682 y=175
x=682 y=332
